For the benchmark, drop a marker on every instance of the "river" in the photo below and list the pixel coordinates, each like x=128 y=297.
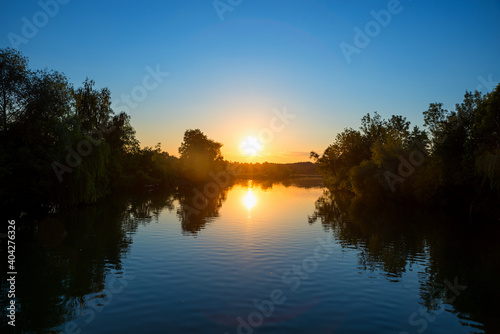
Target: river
x=257 y=257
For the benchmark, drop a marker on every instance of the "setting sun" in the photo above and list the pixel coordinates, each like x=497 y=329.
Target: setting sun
x=211 y=158
x=251 y=146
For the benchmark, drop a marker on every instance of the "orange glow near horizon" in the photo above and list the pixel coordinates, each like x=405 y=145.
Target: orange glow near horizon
x=243 y=144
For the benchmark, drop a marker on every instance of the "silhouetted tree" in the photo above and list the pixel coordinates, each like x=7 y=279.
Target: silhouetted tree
x=199 y=155
x=455 y=164
x=14 y=85
x=92 y=107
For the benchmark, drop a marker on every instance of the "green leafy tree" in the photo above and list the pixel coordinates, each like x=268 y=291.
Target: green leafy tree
x=349 y=149
x=199 y=155
x=93 y=107
x=454 y=163
x=34 y=138
x=486 y=134
x=14 y=85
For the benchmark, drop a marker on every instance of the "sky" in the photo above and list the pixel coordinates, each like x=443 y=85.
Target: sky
x=292 y=74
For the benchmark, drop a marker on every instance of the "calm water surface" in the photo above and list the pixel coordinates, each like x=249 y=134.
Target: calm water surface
x=257 y=258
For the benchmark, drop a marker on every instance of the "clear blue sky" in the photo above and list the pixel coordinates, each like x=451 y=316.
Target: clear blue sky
x=227 y=76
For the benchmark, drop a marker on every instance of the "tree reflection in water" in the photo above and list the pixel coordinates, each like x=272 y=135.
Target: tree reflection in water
x=392 y=239
x=196 y=209
x=72 y=255
x=69 y=256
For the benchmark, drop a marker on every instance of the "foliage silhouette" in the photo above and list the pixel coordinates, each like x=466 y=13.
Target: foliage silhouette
x=454 y=163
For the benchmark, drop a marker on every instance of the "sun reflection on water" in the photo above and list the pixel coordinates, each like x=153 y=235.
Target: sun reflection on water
x=249 y=200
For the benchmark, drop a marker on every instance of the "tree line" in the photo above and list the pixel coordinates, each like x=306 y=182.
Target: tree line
x=65 y=146
x=276 y=171
x=453 y=162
